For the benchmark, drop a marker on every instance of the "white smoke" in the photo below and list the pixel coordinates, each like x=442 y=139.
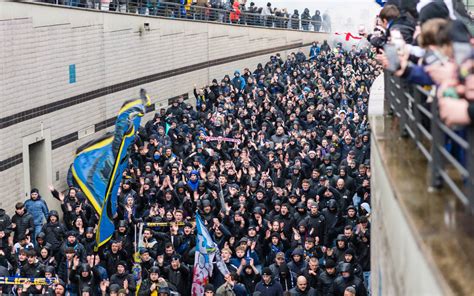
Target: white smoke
x=346 y=15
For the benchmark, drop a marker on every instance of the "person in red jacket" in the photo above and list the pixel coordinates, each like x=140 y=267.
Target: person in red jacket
x=235 y=14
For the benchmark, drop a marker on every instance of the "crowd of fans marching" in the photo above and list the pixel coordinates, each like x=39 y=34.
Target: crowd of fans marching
x=229 y=11
x=285 y=193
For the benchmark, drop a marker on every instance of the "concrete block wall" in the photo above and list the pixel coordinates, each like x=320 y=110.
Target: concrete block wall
x=39 y=42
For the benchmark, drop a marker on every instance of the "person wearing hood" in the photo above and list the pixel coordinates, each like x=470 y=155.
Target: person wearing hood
x=317 y=21
x=327 y=278
x=297 y=263
x=295 y=20
x=89 y=240
x=350 y=257
x=347 y=279
x=193 y=181
x=153 y=283
x=340 y=248
x=72 y=242
x=314 y=51
x=305 y=19
x=238 y=82
x=82 y=276
x=286 y=277
x=316 y=222
x=54 y=231
x=333 y=219
x=249 y=276
x=123 y=278
x=38 y=208
x=325 y=46
x=268 y=286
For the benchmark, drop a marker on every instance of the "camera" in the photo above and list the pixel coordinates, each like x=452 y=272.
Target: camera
x=378 y=38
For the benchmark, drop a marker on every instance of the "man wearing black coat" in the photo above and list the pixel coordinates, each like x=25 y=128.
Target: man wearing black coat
x=179 y=275
x=316 y=223
x=347 y=279
x=124 y=279
x=268 y=286
x=22 y=222
x=327 y=278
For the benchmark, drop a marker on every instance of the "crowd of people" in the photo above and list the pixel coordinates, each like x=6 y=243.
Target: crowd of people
x=228 y=11
x=434 y=47
x=276 y=162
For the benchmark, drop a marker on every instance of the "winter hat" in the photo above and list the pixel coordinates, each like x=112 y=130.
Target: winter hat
x=71 y=233
x=267 y=271
x=154 y=269
x=433 y=10
x=208 y=287
x=114 y=288
x=297 y=251
x=330 y=263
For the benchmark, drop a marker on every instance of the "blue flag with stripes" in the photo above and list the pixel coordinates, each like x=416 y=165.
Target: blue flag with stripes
x=99 y=165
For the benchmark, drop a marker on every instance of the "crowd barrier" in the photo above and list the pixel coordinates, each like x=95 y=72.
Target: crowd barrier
x=449 y=151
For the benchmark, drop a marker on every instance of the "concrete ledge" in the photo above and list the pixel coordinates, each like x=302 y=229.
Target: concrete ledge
x=415 y=248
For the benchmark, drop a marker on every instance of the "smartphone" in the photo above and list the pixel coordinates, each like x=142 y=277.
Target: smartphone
x=392 y=55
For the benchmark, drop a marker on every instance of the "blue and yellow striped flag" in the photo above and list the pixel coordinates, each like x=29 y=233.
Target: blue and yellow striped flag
x=99 y=165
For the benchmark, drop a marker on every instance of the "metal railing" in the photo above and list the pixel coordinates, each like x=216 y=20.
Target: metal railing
x=449 y=151
x=197 y=12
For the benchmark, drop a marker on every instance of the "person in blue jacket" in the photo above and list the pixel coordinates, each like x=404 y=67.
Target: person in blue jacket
x=238 y=82
x=37 y=208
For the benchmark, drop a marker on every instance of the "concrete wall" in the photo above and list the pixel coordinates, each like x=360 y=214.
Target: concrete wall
x=399 y=265
x=114 y=56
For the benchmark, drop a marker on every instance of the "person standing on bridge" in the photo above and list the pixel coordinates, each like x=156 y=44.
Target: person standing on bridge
x=316 y=21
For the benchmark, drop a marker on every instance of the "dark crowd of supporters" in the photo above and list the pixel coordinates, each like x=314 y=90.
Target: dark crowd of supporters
x=285 y=193
x=229 y=11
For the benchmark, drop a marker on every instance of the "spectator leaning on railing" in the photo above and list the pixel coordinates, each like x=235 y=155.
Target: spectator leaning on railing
x=438 y=53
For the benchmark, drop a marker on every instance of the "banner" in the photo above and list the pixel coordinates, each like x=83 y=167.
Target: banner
x=98 y=166
x=221 y=139
x=206 y=252
x=11 y=280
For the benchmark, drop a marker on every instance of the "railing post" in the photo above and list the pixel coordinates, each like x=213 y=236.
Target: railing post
x=470 y=168
x=388 y=86
x=416 y=112
x=403 y=105
x=437 y=163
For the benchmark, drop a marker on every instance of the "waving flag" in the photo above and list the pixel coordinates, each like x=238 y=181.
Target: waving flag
x=206 y=252
x=98 y=166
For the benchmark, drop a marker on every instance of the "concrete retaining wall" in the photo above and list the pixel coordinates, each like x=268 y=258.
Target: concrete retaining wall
x=398 y=264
